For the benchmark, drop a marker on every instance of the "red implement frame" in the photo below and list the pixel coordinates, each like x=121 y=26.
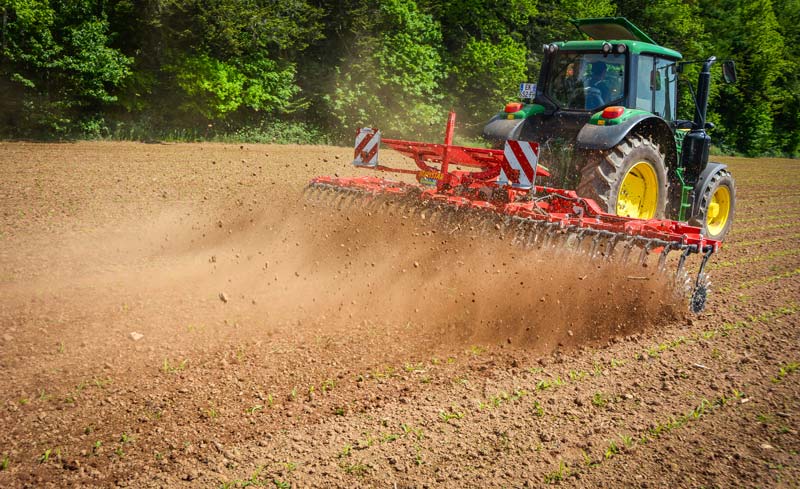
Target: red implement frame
x=490 y=161
x=480 y=190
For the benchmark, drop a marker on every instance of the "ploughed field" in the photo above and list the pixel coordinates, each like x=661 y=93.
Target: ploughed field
x=180 y=315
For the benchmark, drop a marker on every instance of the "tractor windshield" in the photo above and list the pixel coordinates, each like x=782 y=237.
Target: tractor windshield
x=586 y=81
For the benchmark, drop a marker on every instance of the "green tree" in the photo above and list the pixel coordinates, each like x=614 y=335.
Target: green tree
x=219 y=61
x=750 y=34
x=392 y=79
x=486 y=75
x=59 y=71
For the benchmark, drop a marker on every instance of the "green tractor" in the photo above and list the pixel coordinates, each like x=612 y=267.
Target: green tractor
x=604 y=113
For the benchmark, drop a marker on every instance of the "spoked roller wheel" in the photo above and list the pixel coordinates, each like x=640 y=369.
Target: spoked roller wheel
x=716 y=206
x=629 y=180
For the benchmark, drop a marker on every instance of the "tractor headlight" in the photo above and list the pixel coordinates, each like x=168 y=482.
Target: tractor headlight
x=620 y=48
x=606 y=48
x=550 y=48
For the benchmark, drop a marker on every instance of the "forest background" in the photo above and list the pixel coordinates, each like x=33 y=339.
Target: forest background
x=312 y=71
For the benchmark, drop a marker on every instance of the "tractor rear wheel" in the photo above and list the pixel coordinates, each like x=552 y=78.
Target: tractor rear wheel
x=628 y=180
x=716 y=206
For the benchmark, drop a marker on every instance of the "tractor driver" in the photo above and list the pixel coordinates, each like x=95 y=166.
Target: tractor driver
x=597 y=81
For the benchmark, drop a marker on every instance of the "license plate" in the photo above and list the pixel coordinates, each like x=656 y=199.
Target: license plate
x=527 y=90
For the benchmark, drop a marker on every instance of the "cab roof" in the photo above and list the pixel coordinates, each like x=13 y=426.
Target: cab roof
x=618 y=30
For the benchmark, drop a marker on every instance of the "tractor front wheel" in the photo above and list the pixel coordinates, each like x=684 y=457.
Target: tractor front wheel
x=629 y=180
x=715 y=208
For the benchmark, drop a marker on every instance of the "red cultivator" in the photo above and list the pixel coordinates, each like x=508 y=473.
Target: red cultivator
x=502 y=194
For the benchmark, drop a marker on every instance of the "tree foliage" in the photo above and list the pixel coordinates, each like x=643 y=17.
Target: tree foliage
x=392 y=78
x=84 y=67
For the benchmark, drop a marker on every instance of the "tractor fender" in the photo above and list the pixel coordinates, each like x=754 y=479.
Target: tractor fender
x=592 y=137
x=711 y=169
x=500 y=129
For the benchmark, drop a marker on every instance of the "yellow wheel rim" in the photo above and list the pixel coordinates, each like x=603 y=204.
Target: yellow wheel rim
x=719 y=209
x=638 y=193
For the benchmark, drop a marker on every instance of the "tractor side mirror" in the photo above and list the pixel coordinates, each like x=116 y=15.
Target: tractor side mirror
x=729 y=71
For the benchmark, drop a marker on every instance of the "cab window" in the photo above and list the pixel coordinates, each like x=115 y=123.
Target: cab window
x=656 y=86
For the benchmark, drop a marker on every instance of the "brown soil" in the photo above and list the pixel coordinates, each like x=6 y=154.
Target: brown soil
x=284 y=343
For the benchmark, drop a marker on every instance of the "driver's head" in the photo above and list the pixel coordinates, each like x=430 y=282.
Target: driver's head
x=598 y=69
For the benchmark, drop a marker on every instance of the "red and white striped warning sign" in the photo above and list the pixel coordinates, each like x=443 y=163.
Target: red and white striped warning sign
x=368 y=140
x=519 y=164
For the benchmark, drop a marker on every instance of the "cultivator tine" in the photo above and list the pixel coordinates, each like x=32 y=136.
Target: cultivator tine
x=579 y=237
x=519 y=230
x=532 y=234
x=626 y=250
x=644 y=253
x=549 y=234
x=662 y=258
x=682 y=260
x=595 y=245
x=541 y=234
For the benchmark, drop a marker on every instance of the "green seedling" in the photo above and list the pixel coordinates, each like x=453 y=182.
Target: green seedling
x=611 y=450
x=365 y=442
x=168 y=368
x=4 y=463
x=356 y=469
x=339 y=411
x=281 y=484
x=575 y=375
x=764 y=418
x=538 y=410
x=557 y=475
x=255 y=409
x=549 y=383
x=587 y=460
x=125 y=438
x=408 y=429
x=45 y=457
x=518 y=394
x=346 y=451
x=785 y=370
x=599 y=400
x=327 y=385
x=446 y=416
x=409 y=367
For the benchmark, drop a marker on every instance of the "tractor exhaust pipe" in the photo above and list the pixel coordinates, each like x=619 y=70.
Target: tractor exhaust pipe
x=703 y=85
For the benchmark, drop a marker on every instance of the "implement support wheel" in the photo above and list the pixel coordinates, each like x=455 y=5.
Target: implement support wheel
x=629 y=180
x=716 y=207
